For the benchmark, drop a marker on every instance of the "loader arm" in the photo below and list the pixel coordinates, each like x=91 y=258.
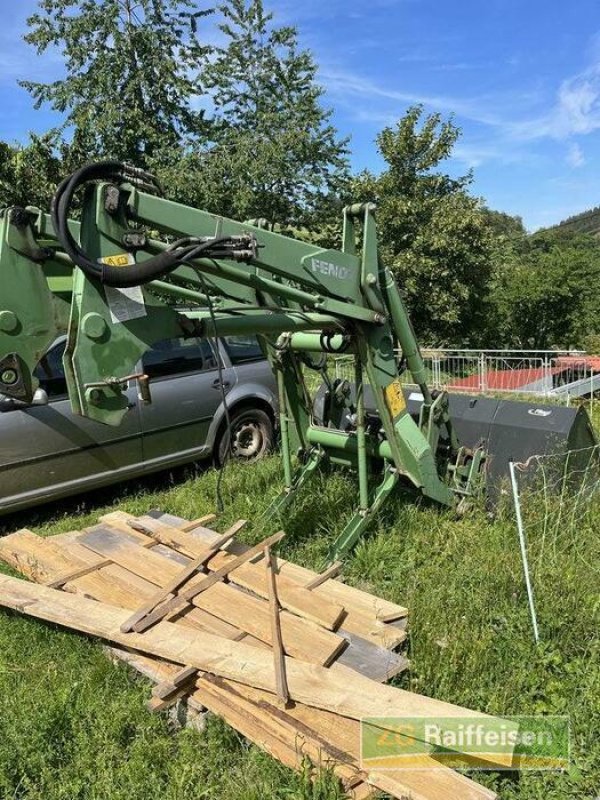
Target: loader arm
x=136 y=254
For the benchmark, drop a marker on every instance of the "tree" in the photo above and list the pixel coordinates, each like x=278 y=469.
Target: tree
x=274 y=152
x=129 y=81
x=548 y=296
x=29 y=174
x=434 y=235
x=505 y=226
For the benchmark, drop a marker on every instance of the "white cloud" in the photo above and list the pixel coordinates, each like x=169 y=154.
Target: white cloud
x=575 y=157
x=346 y=84
x=576 y=109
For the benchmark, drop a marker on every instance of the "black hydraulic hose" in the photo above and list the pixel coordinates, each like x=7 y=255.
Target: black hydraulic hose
x=120 y=277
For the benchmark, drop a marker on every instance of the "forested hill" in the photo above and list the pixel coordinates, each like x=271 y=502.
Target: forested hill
x=586 y=222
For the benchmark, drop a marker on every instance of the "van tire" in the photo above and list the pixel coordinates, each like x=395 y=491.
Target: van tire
x=252 y=437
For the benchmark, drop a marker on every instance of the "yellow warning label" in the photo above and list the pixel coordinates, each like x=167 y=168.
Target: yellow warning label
x=394 y=397
x=118 y=260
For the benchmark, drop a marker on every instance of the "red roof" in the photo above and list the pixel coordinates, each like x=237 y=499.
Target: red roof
x=504 y=379
x=579 y=362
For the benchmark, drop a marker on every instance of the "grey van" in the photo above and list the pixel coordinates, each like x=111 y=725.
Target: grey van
x=47 y=452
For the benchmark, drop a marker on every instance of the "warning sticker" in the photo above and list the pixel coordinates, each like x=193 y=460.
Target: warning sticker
x=394 y=397
x=118 y=260
x=125 y=304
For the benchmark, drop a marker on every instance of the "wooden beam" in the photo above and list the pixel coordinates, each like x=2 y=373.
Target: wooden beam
x=336 y=688
x=201 y=521
x=363 y=612
x=226 y=603
x=38 y=557
x=182 y=600
x=283 y=692
x=331 y=572
x=79 y=572
x=185 y=677
x=311 y=731
x=67 y=577
x=292 y=596
x=168 y=591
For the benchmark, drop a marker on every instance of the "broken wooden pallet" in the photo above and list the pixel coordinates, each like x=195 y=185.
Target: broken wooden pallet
x=253 y=711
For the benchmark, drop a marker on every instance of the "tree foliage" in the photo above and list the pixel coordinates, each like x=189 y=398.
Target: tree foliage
x=434 y=234
x=546 y=295
x=274 y=152
x=29 y=174
x=129 y=83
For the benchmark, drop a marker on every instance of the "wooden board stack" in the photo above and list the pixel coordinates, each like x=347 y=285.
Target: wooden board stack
x=289 y=658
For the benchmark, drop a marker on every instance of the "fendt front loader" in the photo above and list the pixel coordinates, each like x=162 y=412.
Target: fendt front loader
x=139 y=268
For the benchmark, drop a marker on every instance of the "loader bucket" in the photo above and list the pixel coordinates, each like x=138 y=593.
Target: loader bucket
x=508 y=430
x=511 y=430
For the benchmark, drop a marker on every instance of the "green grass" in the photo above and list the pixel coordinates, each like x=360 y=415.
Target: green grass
x=74 y=726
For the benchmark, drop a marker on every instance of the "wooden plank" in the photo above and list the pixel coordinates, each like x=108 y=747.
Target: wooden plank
x=67 y=577
x=357 y=621
x=250 y=576
x=349 y=596
x=184 y=678
x=335 y=739
x=301 y=638
x=18 y=550
x=319 y=720
x=228 y=613
x=33 y=555
x=331 y=572
x=253 y=719
x=377 y=663
x=174 y=584
x=362 y=610
x=283 y=692
x=336 y=688
x=340 y=739
x=200 y=522
x=183 y=599
x=75 y=573
x=148 y=666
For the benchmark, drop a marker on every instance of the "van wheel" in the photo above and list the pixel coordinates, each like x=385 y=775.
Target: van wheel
x=252 y=437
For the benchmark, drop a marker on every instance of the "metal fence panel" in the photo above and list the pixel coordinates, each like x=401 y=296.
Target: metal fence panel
x=549 y=373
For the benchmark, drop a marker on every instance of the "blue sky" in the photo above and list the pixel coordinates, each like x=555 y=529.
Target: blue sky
x=522 y=78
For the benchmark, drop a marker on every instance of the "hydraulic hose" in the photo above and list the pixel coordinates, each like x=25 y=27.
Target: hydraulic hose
x=134 y=274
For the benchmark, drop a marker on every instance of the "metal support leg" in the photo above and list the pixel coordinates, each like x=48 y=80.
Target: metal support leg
x=302 y=475
x=285 y=433
x=360 y=522
x=361 y=441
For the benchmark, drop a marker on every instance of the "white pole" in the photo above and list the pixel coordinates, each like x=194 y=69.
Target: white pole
x=517 y=501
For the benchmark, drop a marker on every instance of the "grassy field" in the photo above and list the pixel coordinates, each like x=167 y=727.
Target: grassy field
x=74 y=726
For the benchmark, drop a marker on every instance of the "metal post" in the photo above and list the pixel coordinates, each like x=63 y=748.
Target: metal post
x=517 y=502
x=284 y=430
x=436 y=373
x=361 y=441
x=482 y=372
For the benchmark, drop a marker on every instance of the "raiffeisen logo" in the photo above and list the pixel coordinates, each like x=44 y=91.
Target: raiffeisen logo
x=478 y=742
x=330 y=270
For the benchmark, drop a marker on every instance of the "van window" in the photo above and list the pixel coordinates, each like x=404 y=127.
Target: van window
x=243 y=349
x=178 y=356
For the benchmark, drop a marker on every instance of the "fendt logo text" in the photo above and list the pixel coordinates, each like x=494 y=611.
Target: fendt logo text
x=332 y=270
